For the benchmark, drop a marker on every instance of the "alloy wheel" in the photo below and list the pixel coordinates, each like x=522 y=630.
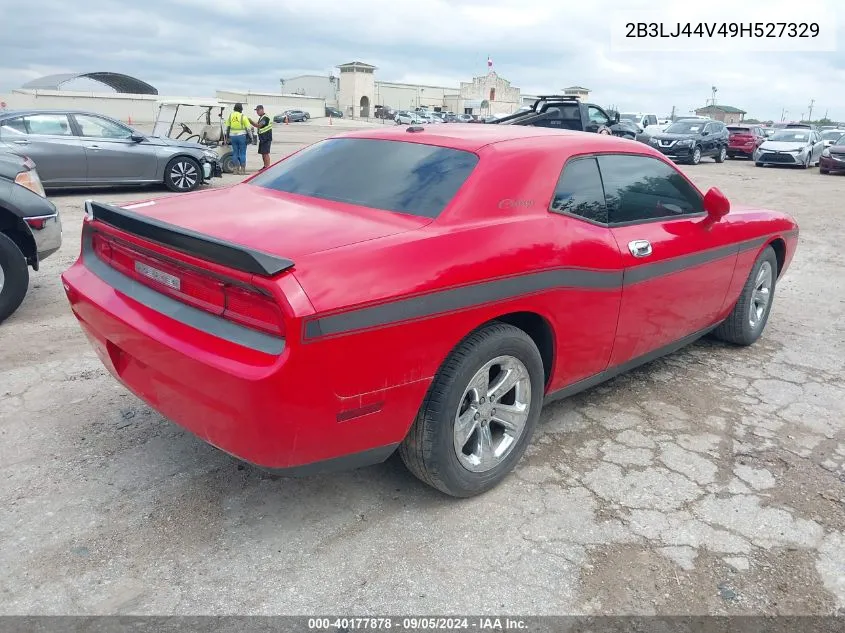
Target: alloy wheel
x=492 y=413
x=183 y=174
x=2 y=278
x=696 y=155
x=761 y=295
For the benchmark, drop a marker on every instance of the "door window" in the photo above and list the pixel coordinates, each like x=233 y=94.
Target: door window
x=579 y=191
x=640 y=188
x=96 y=127
x=597 y=116
x=47 y=125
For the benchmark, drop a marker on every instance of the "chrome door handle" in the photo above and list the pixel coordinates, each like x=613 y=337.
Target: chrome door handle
x=640 y=248
x=96 y=148
x=21 y=142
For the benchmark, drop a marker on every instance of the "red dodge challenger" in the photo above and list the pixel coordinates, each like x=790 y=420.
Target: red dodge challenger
x=420 y=288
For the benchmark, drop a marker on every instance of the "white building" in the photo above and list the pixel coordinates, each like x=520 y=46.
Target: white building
x=356 y=92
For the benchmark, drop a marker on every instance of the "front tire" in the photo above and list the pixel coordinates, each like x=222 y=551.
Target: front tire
x=823 y=170
x=226 y=163
x=182 y=174
x=748 y=319
x=720 y=157
x=479 y=414
x=696 y=156
x=14 y=277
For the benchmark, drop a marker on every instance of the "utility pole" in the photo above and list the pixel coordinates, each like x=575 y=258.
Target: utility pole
x=713 y=95
x=672 y=116
x=783 y=113
x=810 y=116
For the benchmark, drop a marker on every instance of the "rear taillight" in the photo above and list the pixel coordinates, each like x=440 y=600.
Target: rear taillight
x=229 y=299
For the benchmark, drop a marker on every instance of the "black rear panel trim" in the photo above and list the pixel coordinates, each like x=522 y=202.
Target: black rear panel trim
x=211 y=249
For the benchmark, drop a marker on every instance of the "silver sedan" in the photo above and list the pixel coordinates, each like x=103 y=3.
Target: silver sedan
x=74 y=149
x=793 y=146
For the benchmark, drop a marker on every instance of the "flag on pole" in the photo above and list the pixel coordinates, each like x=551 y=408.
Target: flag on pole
x=489 y=62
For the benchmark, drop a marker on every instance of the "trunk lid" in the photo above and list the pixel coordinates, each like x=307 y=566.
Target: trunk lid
x=281 y=224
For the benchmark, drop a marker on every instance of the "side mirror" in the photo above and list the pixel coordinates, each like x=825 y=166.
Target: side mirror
x=138 y=138
x=716 y=204
x=705 y=133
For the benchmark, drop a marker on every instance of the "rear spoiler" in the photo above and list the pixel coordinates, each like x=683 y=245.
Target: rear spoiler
x=189 y=242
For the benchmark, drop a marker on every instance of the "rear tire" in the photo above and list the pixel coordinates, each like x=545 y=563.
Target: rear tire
x=758 y=164
x=435 y=451
x=748 y=319
x=14 y=277
x=182 y=174
x=823 y=171
x=720 y=157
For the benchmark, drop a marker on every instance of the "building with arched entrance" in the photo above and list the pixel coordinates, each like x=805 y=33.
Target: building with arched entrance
x=356 y=89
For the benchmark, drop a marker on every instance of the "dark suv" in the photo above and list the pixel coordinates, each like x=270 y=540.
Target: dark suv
x=687 y=140
x=30 y=228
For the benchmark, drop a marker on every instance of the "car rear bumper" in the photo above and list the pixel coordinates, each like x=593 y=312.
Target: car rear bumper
x=742 y=148
x=47 y=232
x=276 y=411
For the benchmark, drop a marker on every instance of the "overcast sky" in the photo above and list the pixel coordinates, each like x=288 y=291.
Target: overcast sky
x=194 y=47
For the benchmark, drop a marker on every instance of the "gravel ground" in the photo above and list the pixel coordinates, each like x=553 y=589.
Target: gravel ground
x=708 y=482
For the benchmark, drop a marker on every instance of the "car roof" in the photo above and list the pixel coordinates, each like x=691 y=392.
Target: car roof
x=472 y=137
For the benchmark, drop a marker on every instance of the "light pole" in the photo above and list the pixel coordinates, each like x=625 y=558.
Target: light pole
x=810 y=115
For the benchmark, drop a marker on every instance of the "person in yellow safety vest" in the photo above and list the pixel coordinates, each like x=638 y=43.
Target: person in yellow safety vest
x=237 y=130
x=265 y=134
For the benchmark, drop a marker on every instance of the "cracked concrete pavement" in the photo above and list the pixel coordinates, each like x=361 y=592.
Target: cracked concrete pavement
x=709 y=482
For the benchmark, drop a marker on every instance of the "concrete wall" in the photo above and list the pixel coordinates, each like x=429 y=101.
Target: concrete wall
x=313 y=86
x=275 y=103
x=142 y=109
x=401 y=96
x=139 y=108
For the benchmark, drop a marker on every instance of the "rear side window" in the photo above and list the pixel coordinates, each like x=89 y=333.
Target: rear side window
x=579 y=191
x=391 y=175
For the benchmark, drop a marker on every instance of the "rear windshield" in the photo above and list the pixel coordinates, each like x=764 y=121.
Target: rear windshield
x=389 y=175
x=739 y=130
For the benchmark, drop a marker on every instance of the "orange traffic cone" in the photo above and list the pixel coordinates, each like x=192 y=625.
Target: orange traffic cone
x=286 y=120
x=130 y=120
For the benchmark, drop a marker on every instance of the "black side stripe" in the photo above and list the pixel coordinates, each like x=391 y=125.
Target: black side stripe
x=462 y=297
x=658 y=269
x=442 y=301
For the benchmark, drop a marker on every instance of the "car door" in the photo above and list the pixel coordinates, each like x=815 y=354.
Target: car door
x=583 y=245
x=596 y=119
x=818 y=146
x=47 y=139
x=708 y=139
x=676 y=268
x=112 y=155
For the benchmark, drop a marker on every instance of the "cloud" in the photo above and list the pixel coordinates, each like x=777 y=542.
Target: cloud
x=194 y=47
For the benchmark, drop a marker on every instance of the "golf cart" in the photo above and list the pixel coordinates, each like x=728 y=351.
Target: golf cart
x=211 y=134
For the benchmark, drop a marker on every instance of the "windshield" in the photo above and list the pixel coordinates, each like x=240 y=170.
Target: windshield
x=390 y=175
x=686 y=127
x=832 y=135
x=790 y=136
x=629 y=117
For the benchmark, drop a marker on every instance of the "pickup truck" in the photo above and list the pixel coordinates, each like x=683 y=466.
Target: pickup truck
x=567 y=113
x=30 y=228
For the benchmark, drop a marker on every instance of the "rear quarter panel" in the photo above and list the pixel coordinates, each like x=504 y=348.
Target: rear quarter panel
x=478 y=238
